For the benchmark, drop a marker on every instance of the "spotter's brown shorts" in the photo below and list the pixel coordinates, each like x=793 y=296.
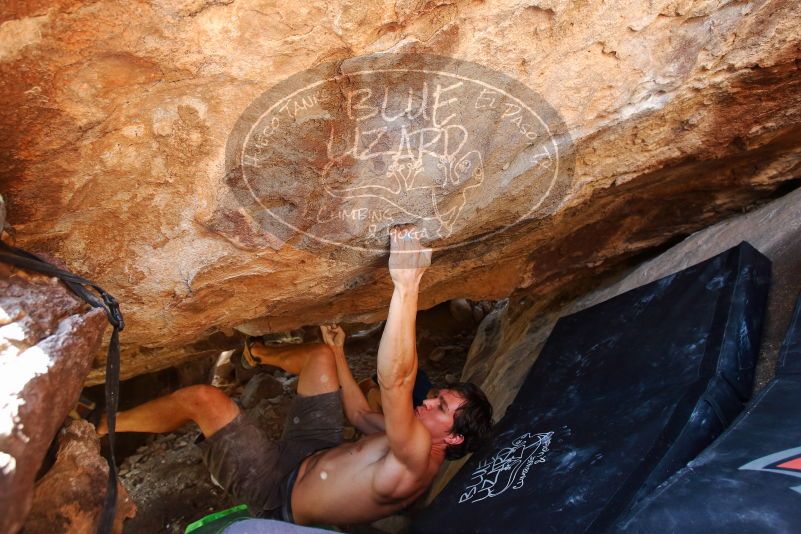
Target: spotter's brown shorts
x=257 y=470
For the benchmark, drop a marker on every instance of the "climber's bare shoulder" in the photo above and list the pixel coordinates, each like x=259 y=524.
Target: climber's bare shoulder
x=362 y=481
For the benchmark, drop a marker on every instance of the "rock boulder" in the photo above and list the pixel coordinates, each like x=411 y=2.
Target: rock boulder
x=120 y=118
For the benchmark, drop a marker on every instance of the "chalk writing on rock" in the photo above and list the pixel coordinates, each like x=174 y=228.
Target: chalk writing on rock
x=342 y=152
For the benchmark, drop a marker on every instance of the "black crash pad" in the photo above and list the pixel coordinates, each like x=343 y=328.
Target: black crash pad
x=749 y=480
x=622 y=396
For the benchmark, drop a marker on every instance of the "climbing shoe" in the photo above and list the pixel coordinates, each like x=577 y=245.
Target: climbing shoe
x=249 y=361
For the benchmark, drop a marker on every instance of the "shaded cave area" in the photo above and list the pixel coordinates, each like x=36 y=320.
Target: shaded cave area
x=164 y=473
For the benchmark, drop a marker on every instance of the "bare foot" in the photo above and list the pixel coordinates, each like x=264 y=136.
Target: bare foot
x=102 y=426
x=408 y=258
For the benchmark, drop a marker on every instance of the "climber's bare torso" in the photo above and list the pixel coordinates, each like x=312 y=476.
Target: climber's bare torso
x=391 y=466
x=356 y=483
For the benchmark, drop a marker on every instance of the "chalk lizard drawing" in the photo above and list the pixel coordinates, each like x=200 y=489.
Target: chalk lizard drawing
x=496 y=474
x=426 y=175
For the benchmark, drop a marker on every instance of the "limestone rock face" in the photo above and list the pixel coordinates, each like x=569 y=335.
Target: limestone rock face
x=131 y=132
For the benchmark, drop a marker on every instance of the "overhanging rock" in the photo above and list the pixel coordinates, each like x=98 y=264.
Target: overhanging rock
x=116 y=141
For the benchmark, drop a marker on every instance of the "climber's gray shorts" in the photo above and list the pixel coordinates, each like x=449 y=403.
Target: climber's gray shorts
x=255 y=469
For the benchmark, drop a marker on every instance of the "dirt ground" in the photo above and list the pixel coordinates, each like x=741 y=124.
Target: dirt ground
x=166 y=477
x=168 y=481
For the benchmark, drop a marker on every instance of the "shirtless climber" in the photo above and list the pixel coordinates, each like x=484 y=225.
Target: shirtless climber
x=309 y=475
